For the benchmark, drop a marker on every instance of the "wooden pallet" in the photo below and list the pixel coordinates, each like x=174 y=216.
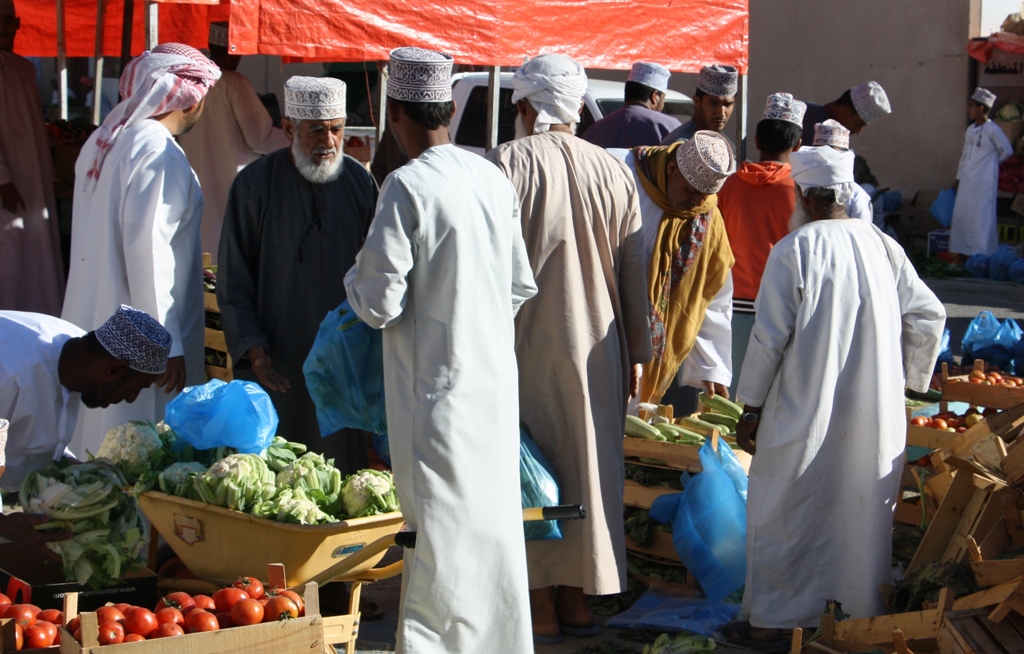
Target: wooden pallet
x=972 y=632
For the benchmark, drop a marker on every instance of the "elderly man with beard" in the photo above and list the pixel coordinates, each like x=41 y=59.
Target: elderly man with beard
x=843 y=325
x=585 y=334
x=295 y=221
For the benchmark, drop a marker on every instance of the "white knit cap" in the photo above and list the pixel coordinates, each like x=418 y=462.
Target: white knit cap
x=832 y=133
x=554 y=84
x=984 y=96
x=782 y=106
x=314 y=98
x=219 y=34
x=706 y=161
x=719 y=80
x=870 y=101
x=418 y=75
x=824 y=167
x=650 y=74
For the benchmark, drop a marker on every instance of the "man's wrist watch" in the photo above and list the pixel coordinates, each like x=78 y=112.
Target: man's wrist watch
x=750 y=416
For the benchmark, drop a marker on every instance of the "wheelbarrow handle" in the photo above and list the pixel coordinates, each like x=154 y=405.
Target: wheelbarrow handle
x=407 y=539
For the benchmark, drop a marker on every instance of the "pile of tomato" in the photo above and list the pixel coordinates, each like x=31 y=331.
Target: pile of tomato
x=992 y=377
x=244 y=603
x=951 y=421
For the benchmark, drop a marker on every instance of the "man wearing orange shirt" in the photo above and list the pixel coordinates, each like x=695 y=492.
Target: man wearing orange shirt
x=757 y=203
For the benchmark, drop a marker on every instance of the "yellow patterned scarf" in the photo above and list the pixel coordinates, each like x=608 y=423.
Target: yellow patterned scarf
x=690 y=264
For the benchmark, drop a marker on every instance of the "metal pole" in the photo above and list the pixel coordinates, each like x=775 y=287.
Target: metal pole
x=152 y=24
x=126 y=32
x=97 y=89
x=493 y=95
x=62 y=62
x=741 y=122
x=382 y=110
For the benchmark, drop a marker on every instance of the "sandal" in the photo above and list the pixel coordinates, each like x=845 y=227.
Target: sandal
x=739 y=634
x=546 y=640
x=573 y=630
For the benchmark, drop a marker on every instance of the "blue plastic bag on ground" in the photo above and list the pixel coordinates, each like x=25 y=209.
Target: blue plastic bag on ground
x=1016 y=271
x=1000 y=261
x=991 y=340
x=942 y=208
x=539 y=488
x=1008 y=338
x=709 y=522
x=977 y=266
x=345 y=374
x=663 y=613
x=945 y=351
x=237 y=414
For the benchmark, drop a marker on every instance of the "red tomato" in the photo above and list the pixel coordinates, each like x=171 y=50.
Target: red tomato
x=252 y=586
x=225 y=598
x=123 y=608
x=924 y=461
x=77 y=634
x=200 y=620
x=293 y=596
x=51 y=615
x=39 y=636
x=224 y=620
x=263 y=601
x=172 y=616
x=56 y=638
x=19 y=636
x=178 y=600
x=280 y=608
x=4 y=601
x=167 y=630
x=247 y=612
x=74 y=624
x=140 y=621
x=23 y=614
x=953 y=422
x=920 y=421
x=111 y=633
x=49 y=627
x=133 y=638
x=204 y=602
x=109 y=614
x=961 y=430
x=938 y=423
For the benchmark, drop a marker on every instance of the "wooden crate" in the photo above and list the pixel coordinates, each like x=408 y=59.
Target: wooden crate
x=972 y=632
x=640 y=496
x=959 y=389
x=660 y=546
x=214 y=338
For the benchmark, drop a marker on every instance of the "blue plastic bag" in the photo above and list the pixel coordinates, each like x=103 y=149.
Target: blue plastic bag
x=1008 y=338
x=345 y=374
x=945 y=351
x=709 y=522
x=663 y=613
x=942 y=208
x=1016 y=271
x=993 y=341
x=382 y=446
x=539 y=488
x=237 y=414
x=977 y=266
x=1000 y=261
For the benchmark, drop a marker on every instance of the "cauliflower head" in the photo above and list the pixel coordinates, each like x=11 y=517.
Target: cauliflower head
x=132 y=446
x=368 y=492
x=176 y=479
x=238 y=481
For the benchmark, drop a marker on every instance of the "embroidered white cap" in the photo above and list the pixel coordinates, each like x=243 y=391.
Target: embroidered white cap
x=314 y=98
x=650 y=74
x=706 y=161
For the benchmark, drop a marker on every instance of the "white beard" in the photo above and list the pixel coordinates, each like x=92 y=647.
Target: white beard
x=322 y=173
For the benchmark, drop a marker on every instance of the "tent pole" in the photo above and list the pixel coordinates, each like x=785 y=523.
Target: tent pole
x=152 y=24
x=126 y=32
x=493 y=95
x=741 y=122
x=97 y=88
x=62 y=62
x=382 y=110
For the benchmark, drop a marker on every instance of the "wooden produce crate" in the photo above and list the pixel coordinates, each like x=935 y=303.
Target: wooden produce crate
x=972 y=632
x=640 y=496
x=214 y=338
x=959 y=389
x=660 y=546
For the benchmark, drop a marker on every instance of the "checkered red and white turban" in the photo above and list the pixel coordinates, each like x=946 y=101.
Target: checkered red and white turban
x=172 y=76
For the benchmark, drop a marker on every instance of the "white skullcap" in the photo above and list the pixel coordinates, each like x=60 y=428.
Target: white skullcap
x=870 y=101
x=136 y=338
x=832 y=133
x=218 y=34
x=554 y=84
x=824 y=167
x=706 y=161
x=7 y=8
x=782 y=106
x=314 y=98
x=418 y=75
x=984 y=96
x=650 y=74
x=719 y=80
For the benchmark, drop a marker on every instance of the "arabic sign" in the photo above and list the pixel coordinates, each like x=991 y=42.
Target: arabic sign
x=1004 y=69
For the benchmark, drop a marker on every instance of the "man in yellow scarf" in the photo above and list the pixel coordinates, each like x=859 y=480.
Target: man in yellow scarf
x=688 y=262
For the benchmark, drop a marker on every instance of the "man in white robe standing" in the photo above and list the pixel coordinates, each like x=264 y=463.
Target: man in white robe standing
x=31 y=267
x=974 y=229
x=443 y=272
x=592 y=269
x=135 y=226
x=843 y=325
x=235 y=131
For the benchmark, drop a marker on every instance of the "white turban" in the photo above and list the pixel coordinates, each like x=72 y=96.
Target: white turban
x=824 y=167
x=554 y=84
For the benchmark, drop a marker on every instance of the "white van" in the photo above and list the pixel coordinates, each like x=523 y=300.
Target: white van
x=468 y=128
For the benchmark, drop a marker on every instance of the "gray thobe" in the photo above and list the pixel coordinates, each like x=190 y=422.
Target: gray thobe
x=284 y=250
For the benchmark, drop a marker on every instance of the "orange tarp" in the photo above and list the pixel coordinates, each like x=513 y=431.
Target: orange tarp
x=681 y=34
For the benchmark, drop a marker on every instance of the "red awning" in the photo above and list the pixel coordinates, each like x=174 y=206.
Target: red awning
x=681 y=34
x=982 y=49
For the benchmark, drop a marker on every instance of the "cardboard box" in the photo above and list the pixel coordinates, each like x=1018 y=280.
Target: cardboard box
x=938 y=241
x=26 y=578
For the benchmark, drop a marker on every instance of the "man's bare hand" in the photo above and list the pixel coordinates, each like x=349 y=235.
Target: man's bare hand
x=173 y=377
x=746 y=432
x=10 y=199
x=20 y=528
x=264 y=370
x=714 y=389
x=634 y=380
